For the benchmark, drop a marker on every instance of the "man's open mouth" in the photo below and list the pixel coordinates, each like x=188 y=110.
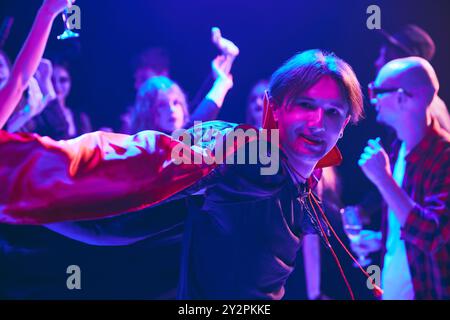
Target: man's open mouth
x=312 y=140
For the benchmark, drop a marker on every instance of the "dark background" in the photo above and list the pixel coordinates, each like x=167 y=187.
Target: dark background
x=267 y=32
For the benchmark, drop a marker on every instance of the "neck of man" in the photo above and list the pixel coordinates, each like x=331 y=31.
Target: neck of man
x=302 y=169
x=412 y=129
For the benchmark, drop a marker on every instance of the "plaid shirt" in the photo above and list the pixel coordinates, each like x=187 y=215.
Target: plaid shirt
x=427 y=229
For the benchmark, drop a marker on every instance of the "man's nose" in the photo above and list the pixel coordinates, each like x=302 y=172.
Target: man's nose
x=173 y=107
x=317 y=120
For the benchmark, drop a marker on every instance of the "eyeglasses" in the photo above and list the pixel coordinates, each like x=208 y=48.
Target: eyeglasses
x=375 y=91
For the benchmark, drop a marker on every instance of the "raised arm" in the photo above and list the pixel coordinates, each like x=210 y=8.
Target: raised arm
x=426 y=224
x=29 y=57
x=221 y=82
x=40 y=93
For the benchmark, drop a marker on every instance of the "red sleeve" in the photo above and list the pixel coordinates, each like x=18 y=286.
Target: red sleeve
x=428 y=224
x=93 y=176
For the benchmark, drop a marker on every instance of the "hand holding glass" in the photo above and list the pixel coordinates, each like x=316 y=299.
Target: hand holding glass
x=353 y=225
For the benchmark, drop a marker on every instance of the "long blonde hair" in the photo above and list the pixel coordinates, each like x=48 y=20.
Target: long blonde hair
x=143 y=114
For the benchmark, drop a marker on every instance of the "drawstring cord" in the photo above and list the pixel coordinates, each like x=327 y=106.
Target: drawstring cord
x=377 y=290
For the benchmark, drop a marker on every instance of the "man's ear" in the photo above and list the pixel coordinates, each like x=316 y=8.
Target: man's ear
x=401 y=99
x=346 y=122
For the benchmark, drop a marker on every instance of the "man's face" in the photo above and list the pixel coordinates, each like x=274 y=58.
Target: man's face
x=4 y=71
x=169 y=110
x=310 y=126
x=387 y=104
x=61 y=82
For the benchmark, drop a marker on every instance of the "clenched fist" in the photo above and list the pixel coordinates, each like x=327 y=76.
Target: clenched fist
x=374 y=162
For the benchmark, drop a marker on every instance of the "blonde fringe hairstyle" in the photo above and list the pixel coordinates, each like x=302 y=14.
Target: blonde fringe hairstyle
x=144 y=114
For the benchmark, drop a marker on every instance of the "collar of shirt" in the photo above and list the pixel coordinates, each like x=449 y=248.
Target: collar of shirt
x=433 y=132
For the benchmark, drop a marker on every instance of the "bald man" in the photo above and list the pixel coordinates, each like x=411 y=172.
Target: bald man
x=414 y=183
x=411 y=40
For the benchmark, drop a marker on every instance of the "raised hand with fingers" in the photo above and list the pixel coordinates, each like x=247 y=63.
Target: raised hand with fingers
x=374 y=162
x=35 y=98
x=221 y=67
x=44 y=78
x=220 y=70
x=369 y=241
x=227 y=47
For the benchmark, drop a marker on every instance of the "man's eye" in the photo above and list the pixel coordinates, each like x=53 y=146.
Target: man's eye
x=306 y=105
x=333 y=112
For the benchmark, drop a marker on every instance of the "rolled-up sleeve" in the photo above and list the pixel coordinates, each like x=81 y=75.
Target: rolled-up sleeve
x=427 y=226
